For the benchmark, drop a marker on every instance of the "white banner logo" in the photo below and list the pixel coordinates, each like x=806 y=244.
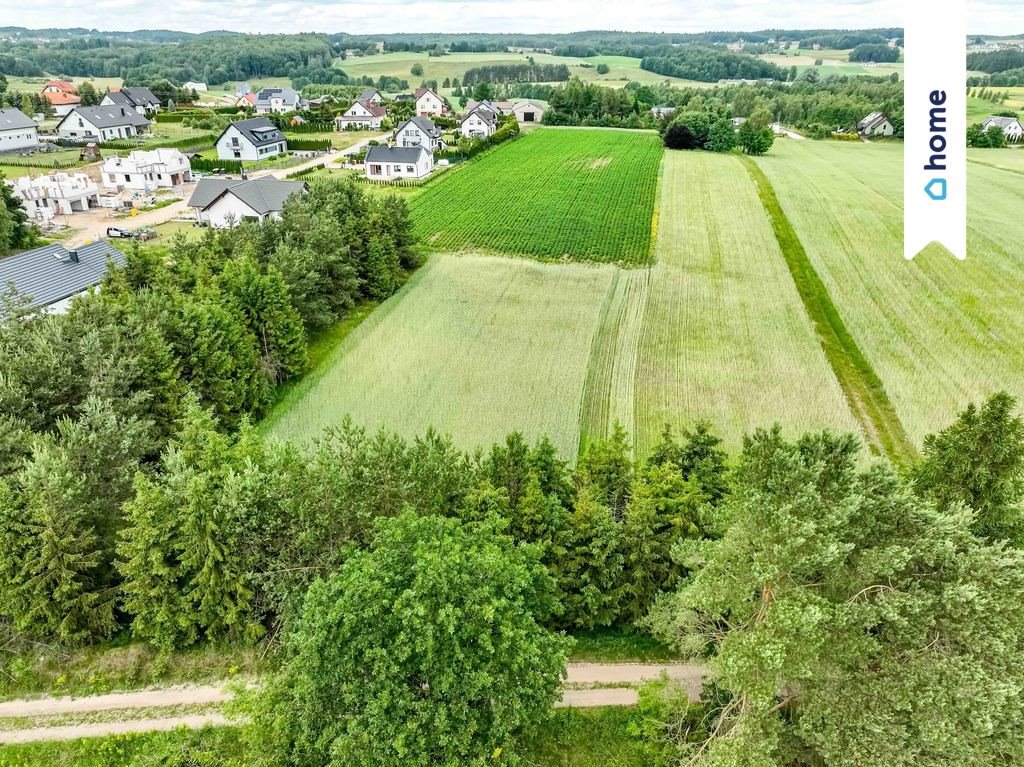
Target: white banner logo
x=935 y=128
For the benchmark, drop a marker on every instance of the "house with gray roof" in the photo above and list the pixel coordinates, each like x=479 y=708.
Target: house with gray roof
x=420 y=131
x=223 y=203
x=17 y=131
x=251 y=140
x=101 y=123
x=141 y=100
x=875 y=124
x=480 y=123
x=1010 y=126
x=49 y=277
x=392 y=163
x=279 y=100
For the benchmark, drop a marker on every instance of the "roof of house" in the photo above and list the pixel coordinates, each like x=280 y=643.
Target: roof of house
x=369 y=95
x=107 y=117
x=372 y=108
x=62 y=98
x=49 y=274
x=872 y=120
x=63 y=85
x=423 y=91
x=136 y=96
x=14 y=119
x=287 y=95
x=484 y=114
x=405 y=97
x=259 y=131
x=1002 y=122
x=425 y=124
x=264 y=195
x=399 y=154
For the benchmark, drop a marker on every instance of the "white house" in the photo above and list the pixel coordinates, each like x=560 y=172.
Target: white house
x=279 y=101
x=1010 y=126
x=60 y=194
x=49 y=277
x=223 y=203
x=663 y=111
x=875 y=124
x=251 y=140
x=17 y=131
x=102 y=123
x=390 y=163
x=141 y=100
x=419 y=131
x=478 y=124
x=373 y=97
x=429 y=103
x=197 y=87
x=528 y=111
x=362 y=114
x=145 y=171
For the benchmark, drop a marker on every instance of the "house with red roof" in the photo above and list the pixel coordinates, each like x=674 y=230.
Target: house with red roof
x=362 y=114
x=62 y=95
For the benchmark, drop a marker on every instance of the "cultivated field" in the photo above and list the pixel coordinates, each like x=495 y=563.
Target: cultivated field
x=834 y=62
x=939 y=333
x=474 y=346
x=725 y=337
x=1011 y=159
x=552 y=194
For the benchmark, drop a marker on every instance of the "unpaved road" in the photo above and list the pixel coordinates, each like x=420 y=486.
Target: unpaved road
x=578 y=674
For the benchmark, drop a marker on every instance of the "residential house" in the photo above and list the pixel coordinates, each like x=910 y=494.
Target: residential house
x=373 y=97
x=362 y=114
x=141 y=100
x=245 y=101
x=62 y=95
x=59 y=194
x=479 y=123
x=419 y=131
x=497 y=108
x=391 y=163
x=405 y=97
x=223 y=203
x=146 y=170
x=429 y=103
x=103 y=123
x=663 y=111
x=49 y=277
x=279 y=101
x=251 y=140
x=528 y=111
x=17 y=131
x=738 y=122
x=875 y=124
x=197 y=87
x=1010 y=126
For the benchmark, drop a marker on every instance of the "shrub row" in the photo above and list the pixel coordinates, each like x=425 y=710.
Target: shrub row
x=309 y=145
x=307 y=171
x=207 y=165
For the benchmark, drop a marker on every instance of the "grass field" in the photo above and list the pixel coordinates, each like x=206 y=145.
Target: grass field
x=475 y=346
x=725 y=337
x=834 y=62
x=938 y=332
x=1011 y=159
x=552 y=194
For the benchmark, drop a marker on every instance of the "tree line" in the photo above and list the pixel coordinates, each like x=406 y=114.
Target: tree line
x=516 y=73
x=709 y=65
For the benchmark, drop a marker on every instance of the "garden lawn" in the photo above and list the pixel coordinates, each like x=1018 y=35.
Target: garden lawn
x=724 y=336
x=939 y=333
x=577 y=194
x=474 y=346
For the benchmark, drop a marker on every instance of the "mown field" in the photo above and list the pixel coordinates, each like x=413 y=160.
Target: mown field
x=939 y=333
x=552 y=194
x=724 y=335
x=834 y=62
x=474 y=346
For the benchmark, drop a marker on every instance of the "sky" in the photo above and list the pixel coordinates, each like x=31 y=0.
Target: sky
x=382 y=16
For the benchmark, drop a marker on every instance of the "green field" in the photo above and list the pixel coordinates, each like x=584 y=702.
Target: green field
x=834 y=62
x=725 y=337
x=552 y=194
x=939 y=333
x=474 y=346
x=1011 y=158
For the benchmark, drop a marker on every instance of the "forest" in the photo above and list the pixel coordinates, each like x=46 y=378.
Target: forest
x=709 y=65
x=516 y=73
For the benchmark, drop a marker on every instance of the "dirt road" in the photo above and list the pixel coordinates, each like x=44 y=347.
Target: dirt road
x=579 y=675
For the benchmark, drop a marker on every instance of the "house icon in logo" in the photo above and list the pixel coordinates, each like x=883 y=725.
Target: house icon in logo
x=936 y=189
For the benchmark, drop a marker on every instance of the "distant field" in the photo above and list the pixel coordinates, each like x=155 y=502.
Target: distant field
x=724 y=335
x=475 y=346
x=938 y=332
x=834 y=62
x=555 y=193
x=35 y=84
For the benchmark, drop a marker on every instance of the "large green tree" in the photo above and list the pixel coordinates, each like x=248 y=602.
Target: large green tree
x=425 y=650
x=849 y=623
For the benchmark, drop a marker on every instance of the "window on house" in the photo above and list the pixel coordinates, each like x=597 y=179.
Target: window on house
x=410 y=168
x=127 y=177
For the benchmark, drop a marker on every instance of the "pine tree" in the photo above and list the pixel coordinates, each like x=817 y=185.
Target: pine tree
x=607 y=468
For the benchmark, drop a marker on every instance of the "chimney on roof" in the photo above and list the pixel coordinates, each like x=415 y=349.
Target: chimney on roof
x=122 y=112
x=73 y=256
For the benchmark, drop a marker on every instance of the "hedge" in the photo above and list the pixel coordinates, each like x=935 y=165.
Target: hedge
x=208 y=165
x=308 y=145
x=51 y=164
x=317 y=126
x=307 y=171
x=506 y=132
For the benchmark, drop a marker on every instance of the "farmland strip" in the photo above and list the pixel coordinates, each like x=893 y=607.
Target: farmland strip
x=861 y=385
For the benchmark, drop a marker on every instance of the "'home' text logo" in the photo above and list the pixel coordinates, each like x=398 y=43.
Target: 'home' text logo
x=938 y=187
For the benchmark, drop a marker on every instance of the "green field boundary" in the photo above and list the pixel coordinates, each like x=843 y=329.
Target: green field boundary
x=996 y=167
x=862 y=387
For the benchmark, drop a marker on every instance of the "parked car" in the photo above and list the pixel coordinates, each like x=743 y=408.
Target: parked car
x=114 y=232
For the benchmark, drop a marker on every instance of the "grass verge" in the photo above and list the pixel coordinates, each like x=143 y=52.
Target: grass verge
x=612 y=645
x=861 y=385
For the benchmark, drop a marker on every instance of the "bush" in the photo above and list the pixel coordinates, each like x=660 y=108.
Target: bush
x=309 y=145
x=208 y=165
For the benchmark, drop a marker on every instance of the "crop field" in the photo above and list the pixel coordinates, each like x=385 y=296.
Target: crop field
x=834 y=62
x=475 y=346
x=552 y=194
x=1007 y=159
x=725 y=337
x=939 y=333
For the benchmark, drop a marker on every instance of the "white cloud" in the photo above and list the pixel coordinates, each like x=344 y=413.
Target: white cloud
x=382 y=16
